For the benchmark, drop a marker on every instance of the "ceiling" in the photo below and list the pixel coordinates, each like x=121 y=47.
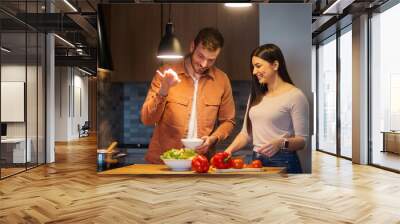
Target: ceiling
x=75 y=21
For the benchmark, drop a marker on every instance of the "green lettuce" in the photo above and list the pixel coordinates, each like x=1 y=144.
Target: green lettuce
x=179 y=154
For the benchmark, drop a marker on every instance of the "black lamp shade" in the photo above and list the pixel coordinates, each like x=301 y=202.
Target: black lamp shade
x=103 y=50
x=169 y=47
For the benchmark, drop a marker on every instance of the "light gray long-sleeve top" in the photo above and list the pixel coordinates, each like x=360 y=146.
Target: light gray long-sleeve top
x=276 y=117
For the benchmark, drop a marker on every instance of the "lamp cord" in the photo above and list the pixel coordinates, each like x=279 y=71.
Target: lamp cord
x=169 y=14
x=162 y=16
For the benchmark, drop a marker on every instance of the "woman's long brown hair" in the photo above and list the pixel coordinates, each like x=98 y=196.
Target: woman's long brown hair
x=269 y=53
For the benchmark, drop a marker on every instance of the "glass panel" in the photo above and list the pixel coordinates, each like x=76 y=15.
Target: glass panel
x=385 y=84
x=327 y=96
x=41 y=98
x=31 y=100
x=314 y=91
x=346 y=94
x=13 y=87
x=23 y=88
x=31 y=87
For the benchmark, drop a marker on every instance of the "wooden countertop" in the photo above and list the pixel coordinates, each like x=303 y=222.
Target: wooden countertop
x=152 y=169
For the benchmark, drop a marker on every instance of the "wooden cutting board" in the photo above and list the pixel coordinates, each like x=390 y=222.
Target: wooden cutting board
x=153 y=169
x=231 y=170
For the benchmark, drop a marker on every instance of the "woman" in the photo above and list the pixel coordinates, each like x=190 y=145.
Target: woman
x=276 y=119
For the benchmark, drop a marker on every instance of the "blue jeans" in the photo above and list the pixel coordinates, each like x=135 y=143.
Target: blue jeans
x=283 y=158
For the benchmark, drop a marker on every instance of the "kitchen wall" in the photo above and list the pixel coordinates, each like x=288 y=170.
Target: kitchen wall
x=288 y=26
x=124 y=113
x=134 y=37
x=134 y=32
x=109 y=111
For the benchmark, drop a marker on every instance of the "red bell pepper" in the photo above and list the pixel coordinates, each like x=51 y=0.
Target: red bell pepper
x=221 y=160
x=200 y=164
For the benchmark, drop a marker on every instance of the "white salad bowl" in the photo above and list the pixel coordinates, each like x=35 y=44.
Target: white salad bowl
x=178 y=164
x=192 y=143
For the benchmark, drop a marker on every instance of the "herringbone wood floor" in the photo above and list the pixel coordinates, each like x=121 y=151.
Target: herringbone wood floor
x=69 y=191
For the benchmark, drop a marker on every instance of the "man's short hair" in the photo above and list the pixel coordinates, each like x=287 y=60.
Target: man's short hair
x=210 y=37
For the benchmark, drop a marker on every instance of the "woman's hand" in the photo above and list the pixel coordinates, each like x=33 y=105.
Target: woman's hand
x=228 y=151
x=271 y=148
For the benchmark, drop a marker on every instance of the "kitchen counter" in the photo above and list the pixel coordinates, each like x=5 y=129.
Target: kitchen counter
x=153 y=169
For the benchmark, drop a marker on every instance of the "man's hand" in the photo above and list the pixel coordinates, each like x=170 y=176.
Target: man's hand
x=168 y=79
x=208 y=142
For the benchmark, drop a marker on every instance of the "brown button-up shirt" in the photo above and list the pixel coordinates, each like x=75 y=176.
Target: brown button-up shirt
x=171 y=114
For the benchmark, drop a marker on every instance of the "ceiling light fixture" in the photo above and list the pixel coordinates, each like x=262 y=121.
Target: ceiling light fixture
x=65 y=41
x=337 y=7
x=5 y=50
x=84 y=71
x=238 y=5
x=169 y=47
x=104 y=59
x=70 y=5
x=170 y=56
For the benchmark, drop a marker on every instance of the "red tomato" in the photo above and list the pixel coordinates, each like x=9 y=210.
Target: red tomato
x=237 y=163
x=200 y=164
x=221 y=160
x=248 y=166
x=256 y=163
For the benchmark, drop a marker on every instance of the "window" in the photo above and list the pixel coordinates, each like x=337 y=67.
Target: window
x=385 y=88
x=22 y=77
x=346 y=92
x=327 y=95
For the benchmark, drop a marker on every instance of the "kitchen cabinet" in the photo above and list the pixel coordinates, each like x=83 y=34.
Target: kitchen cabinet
x=135 y=32
x=240 y=27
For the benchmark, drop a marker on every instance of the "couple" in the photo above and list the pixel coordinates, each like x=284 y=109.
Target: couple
x=194 y=99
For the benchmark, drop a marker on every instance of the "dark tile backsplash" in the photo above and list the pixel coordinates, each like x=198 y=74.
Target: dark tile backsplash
x=119 y=107
x=241 y=91
x=134 y=131
x=109 y=113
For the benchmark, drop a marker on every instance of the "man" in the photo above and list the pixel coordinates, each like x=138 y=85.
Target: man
x=186 y=99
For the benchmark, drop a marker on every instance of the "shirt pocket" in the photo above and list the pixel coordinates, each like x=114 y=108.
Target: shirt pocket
x=176 y=111
x=211 y=108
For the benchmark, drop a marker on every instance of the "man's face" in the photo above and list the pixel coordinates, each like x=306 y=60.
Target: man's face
x=202 y=58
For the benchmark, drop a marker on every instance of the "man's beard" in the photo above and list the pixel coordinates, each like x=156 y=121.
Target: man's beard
x=205 y=71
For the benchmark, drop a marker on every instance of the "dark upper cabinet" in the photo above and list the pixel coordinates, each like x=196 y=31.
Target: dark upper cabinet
x=240 y=28
x=135 y=32
x=134 y=37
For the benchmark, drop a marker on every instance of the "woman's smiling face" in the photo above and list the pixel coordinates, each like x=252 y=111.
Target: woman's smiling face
x=263 y=70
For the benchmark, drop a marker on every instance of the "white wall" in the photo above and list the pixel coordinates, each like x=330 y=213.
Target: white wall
x=17 y=73
x=62 y=80
x=13 y=72
x=80 y=112
x=33 y=126
x=289 y=27
x=71 y=94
